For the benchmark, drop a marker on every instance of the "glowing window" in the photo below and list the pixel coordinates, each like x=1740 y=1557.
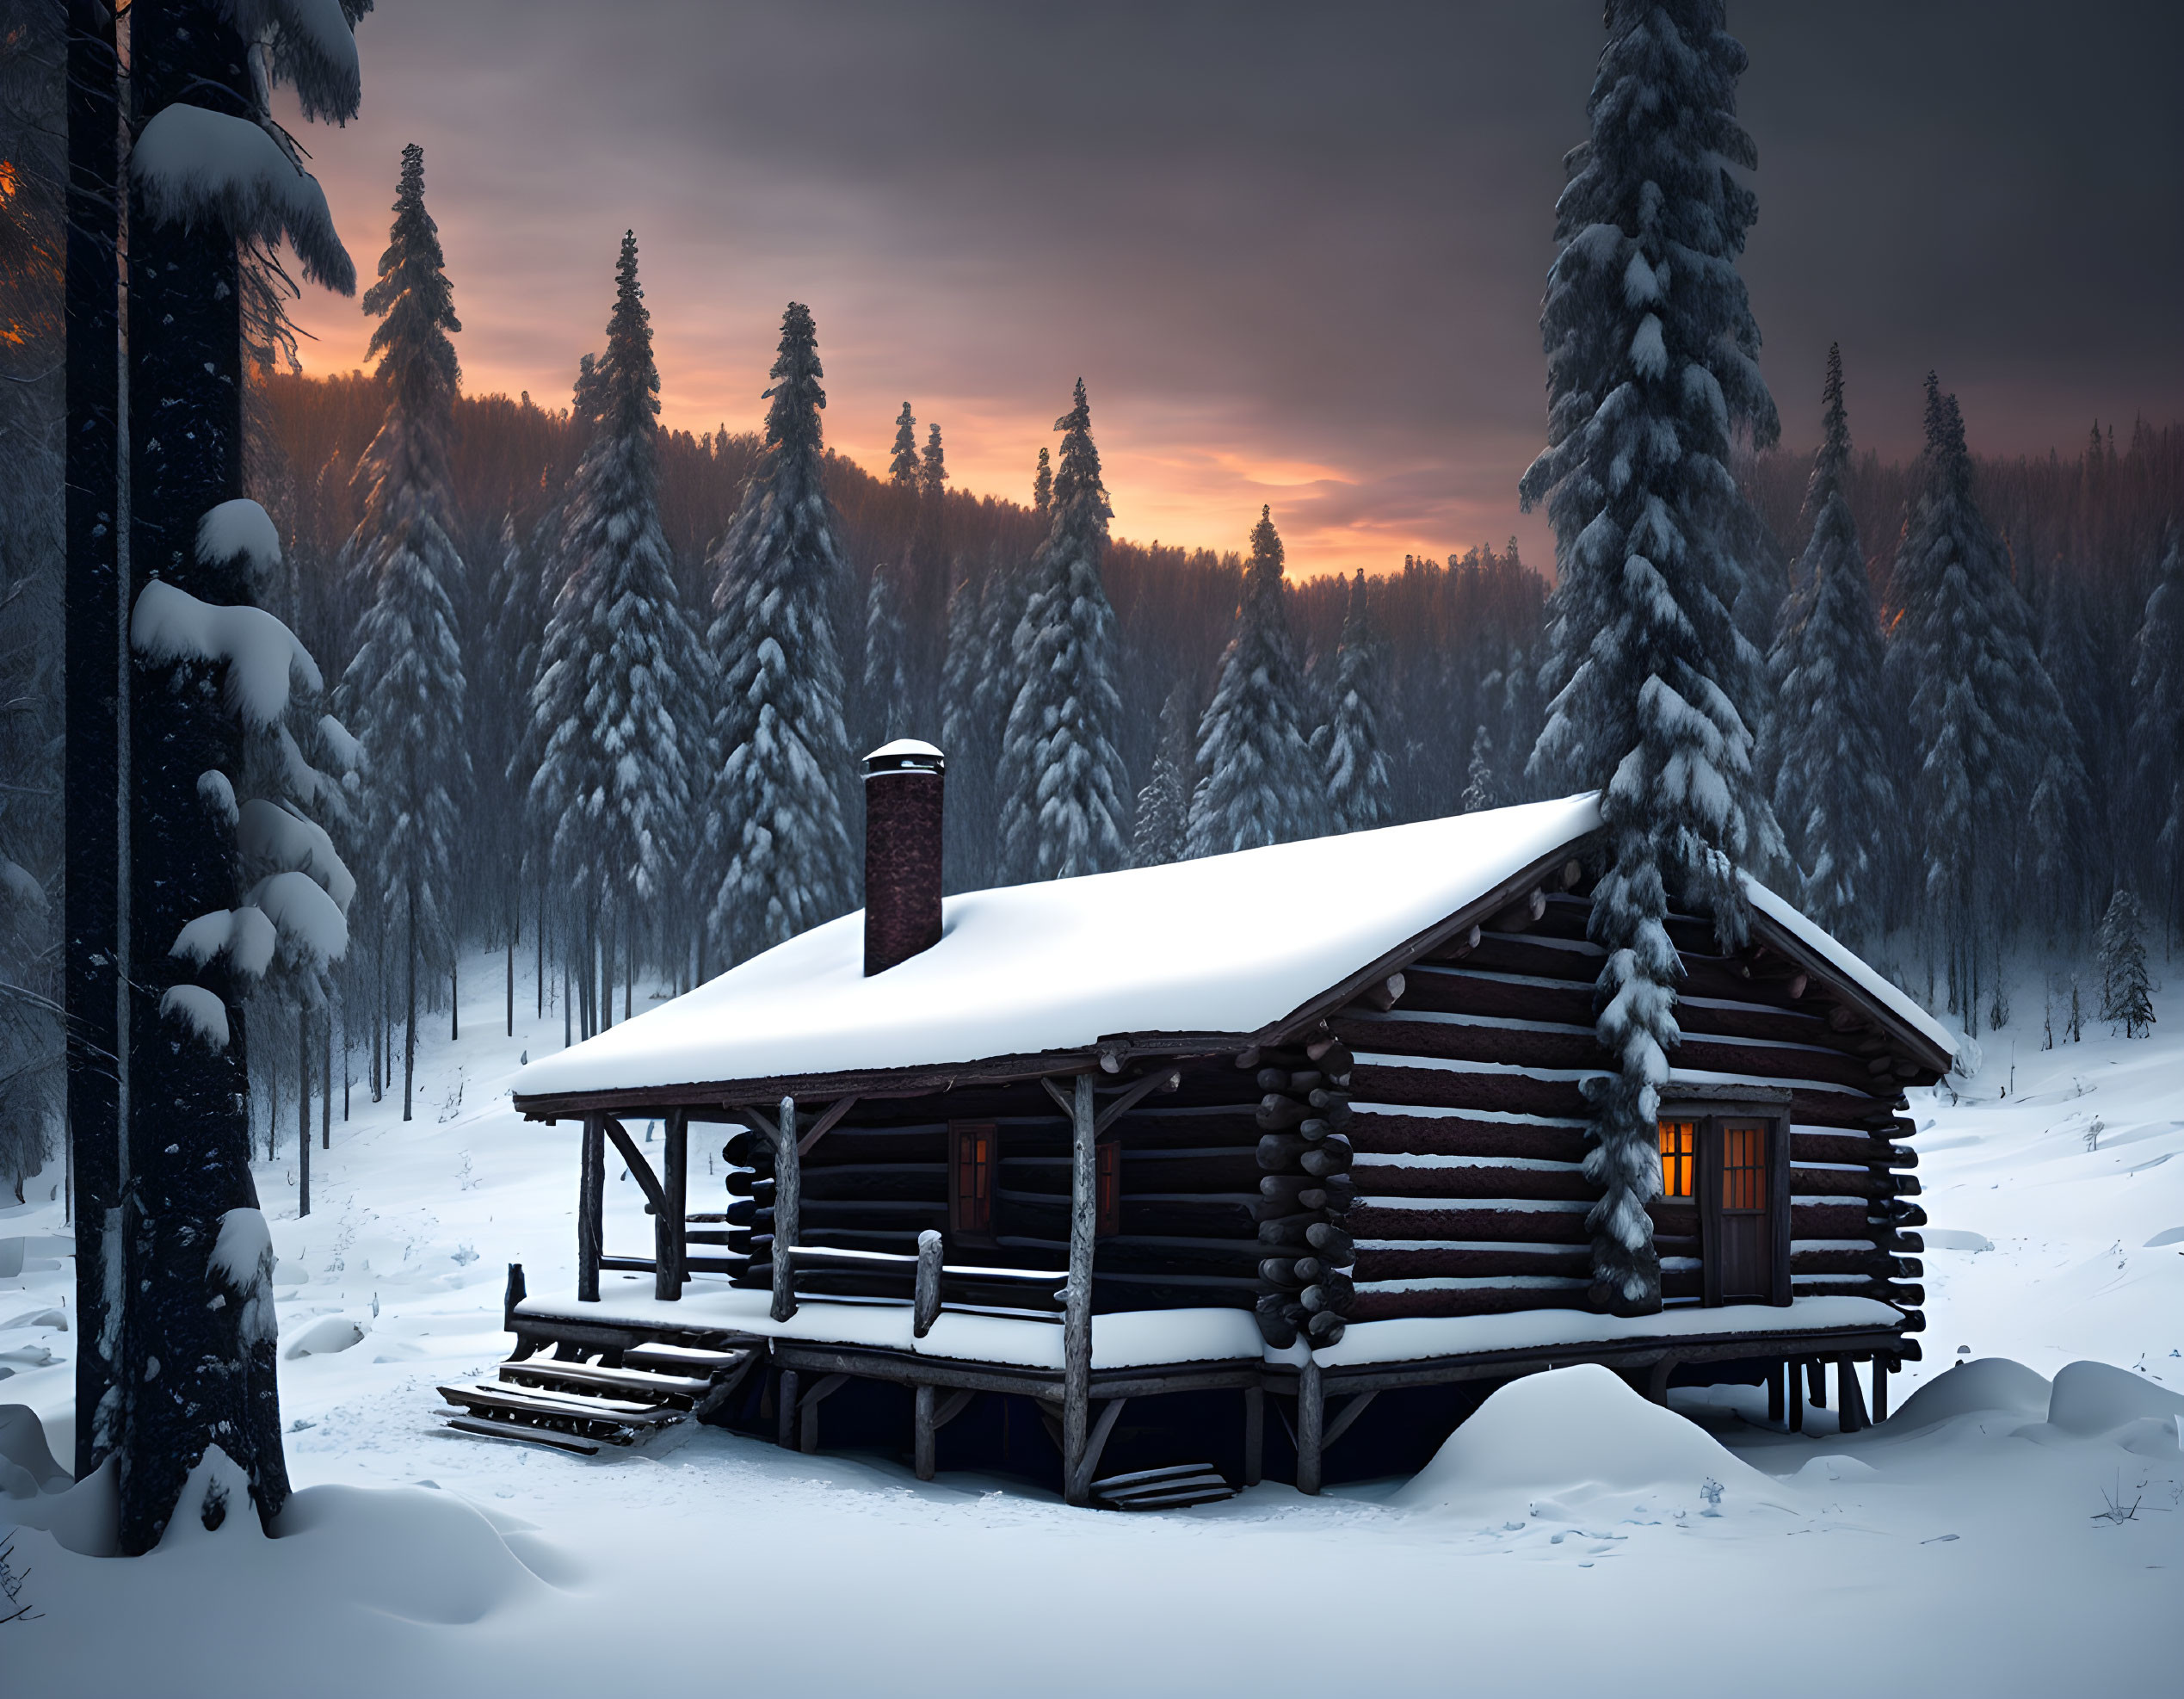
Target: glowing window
x=1678 y=1157
x=1743 y=1166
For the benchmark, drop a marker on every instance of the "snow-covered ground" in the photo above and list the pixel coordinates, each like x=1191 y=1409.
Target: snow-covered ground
x=1570 y=1534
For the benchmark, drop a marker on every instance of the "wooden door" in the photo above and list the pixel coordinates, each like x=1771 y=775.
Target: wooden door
x=1744 y=1243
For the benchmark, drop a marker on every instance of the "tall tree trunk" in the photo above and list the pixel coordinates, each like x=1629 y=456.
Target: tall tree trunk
x=454 y=992
x=511 y=973
x=94 y=918
x=540 y=941
x=410 y=1018
x=303 y=1112
x=629 y=961
x=326 y=1077
x=196 y=1373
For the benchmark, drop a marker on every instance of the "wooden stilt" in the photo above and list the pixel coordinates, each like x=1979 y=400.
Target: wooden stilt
x=1254 y=1434
x=1850 y=1399
x=785 y=1410
x=1883 y=1367
x=1777 y=1393
x=591 y=1203
x=1816 y=1381
x=1796 y=1376
x=925 y=1435
x=788 y=1197
x=668 y=1227
x=1656 y=1379
x=807 y=1435
x=1311 y=1410
x=1076 y=1323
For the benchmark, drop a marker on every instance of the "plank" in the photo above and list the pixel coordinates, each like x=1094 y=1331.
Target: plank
x=488 y=1429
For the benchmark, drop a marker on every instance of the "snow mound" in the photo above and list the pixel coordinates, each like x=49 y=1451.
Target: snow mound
x=1833 y=1466
x=1954 y=1238
x=326 y=1337
x=2097 y=1398
x=2167 y=1236
x=1992 y=1383
x=1573 y=1433
x=27 y=1465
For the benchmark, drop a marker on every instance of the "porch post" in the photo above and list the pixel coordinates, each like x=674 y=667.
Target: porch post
x=1312 y=1413
x=591 y=1203
x=1076 y=1323
x=670 y=1262
x=788 y=1197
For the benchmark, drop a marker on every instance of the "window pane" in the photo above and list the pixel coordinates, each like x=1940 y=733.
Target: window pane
x=1679 y=1142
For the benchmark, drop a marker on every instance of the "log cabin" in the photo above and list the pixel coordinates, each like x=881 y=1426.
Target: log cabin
x=1299 y=1127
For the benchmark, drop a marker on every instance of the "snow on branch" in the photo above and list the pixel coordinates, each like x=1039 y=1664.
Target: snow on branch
x=269 y=832
x=262 y=654
x=246 y=936
x=198 y=1010
x=312 y=930
x=192 y=164
x=242 y=1260
x=310 y=44
x=243 y=528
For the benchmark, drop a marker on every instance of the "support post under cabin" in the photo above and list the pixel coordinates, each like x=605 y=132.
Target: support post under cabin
x=1254 y=1434
x=788 y=1196
x=1077 y=1322
x=925 y=1435
x=1797 y=1397
x=591 y=1204
x=785 y=1411
x=1883 y=1367
x=1850 y=1400
x=1311 y=1423
x=1777 y=1396
x=670 y=1255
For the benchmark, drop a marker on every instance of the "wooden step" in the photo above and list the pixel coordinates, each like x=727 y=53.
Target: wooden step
x=499 y=1397
x=659 y=1358
x=1176 y=1499
x=491 y=1429
x=678 y=1391
x=1174 y=1487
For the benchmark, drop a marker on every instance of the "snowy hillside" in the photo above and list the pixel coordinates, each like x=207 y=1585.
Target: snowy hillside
x=2058 y=1235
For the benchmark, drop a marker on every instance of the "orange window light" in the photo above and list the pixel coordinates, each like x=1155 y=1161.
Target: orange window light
x=1679 y=1152
x=1743 y=1168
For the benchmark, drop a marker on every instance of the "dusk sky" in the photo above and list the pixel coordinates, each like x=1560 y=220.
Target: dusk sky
x=1296 y=252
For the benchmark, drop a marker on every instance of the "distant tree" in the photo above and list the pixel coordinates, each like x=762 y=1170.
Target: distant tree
x=776 y=818
x=1833 y=792
x=1356 y=769
x=1161 y=831
x=404 y=690
x=621 y=676
x=1042 y=485
x=902 y=470
x=970 y=733
x=1061 y=781
x=2125 y=989
x=2157 y=729
x=1651 y=363
x=933 y=469
x=1261 y=785
x=885 y=689
x=1482 y=790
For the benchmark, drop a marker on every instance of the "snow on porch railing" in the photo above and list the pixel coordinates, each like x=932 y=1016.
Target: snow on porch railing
x=926 y=1284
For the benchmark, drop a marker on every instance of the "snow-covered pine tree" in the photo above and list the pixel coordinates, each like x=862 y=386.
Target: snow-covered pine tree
x=1651 y=354
x=1482 y=790
x=902 y=470
x=404 y=690
x=2125 y=989
x=884 y=692
x=776 y=828
x=933 y=469
x=1261 y=784
x=193 y=1373
x=1061 y=781
x=1356 y=767
x=2156 y=803
x=619 y=676
x=1161 y=832
x=970 y=733
x=1042 y=485
x=1833 y=789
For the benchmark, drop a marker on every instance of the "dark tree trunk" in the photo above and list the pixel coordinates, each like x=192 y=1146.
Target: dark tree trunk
x=198 y=1366
x=97 y=679
x=326 y=1078
x=303 y=1112
x=454 y=1014
x=410 y=1019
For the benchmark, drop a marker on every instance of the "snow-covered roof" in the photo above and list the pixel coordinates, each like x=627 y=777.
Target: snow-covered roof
x=1226 y=944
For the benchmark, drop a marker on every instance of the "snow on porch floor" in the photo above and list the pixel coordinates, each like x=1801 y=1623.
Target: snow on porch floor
x=716 y=1558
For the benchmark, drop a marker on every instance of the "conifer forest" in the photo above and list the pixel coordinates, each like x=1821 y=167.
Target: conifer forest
x=368 y=734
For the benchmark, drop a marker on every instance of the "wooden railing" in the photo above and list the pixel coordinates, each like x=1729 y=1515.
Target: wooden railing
x=926 y=1283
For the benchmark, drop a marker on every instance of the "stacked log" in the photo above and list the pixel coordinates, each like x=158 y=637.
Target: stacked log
x=1306 y=1191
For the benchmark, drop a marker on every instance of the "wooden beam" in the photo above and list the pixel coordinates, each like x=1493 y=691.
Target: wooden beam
x=1136 y=1092
x=788 y=1200
x=785 y=1410
x=1311 y=1416
x=1344 y=1416
x=1077 y=1324
x=671 y=1233
x=591 y=1203
x=1088 y=1465
x=1656 y=1378
x=925 y=1431
x=1777 y=1400
x=640 y=1170
x=825 y=1123
x=1796 y=1374
x=807 y=1410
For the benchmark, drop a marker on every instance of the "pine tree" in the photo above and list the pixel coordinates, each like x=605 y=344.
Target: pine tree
x=620 y=677
x=1042 y=485
x=1261 y=785
x=2157 y=798
x=970 y=732
x=885 y=689
x=1358 y=785
x=2125 y=989
x=1161 y=832
x=902 y=470
x=1833 y=793
x=1482 y=790
x=1061 y=781
x=776 y=815
x=1651 y=354
x=403 y=692
x=933 y=470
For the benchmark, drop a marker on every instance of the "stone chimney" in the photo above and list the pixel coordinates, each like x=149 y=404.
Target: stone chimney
x=903 y=785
